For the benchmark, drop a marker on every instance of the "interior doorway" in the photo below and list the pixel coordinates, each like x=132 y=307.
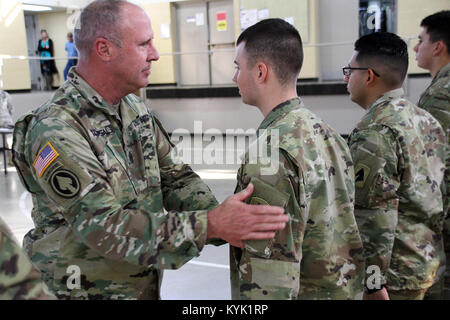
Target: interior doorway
x=33 y=36
x=205 y=38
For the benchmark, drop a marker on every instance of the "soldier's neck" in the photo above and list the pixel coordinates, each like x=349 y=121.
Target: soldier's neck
x=439 y=64
x=101 y=83
x=276 y=96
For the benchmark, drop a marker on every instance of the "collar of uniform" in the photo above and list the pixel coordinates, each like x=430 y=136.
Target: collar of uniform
x=279 y=110
x=444 y=72
x=89 y=93
x=390 y=95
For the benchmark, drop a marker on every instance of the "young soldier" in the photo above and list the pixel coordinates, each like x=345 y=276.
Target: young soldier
x=319 y=253
x=433 y=54
x=398 y=151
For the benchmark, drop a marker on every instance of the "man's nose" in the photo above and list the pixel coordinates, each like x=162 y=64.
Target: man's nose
x=153 y=54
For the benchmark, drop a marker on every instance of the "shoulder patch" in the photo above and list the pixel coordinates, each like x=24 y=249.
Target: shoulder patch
x=361 y=173
x=45 y=157
x=65 y=183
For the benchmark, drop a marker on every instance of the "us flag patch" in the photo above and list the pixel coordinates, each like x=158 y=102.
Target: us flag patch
x=45 y=157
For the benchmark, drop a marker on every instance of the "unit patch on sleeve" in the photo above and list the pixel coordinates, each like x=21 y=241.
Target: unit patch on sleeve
x=361 y=174
x=65 y=183
x=45 y=157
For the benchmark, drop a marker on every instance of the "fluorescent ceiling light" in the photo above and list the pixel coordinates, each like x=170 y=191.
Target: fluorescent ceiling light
x=31 y=7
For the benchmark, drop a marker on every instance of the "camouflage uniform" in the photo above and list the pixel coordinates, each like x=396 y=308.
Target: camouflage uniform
x=436 y=100
x=99 y=203
x=6 y=110
x=398 y=151
x=319 y=253
x=18 y=278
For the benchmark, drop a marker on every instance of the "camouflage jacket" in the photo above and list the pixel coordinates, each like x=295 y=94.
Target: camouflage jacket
x=100 y=177
x=398 y=151
x=436 y=100
x=18 y=278
x=6 y=110
x=308 y=171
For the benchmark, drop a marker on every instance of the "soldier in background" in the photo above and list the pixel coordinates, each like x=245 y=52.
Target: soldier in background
x=319 y=253
x=19 y=279
x=433 y=54
x=101 y=171
x=398 y=150
x=6 y=110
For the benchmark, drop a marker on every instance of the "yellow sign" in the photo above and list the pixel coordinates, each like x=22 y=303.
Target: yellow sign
x=222 y=25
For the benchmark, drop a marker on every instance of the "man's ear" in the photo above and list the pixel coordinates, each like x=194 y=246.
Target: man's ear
x=370 y=78
x=262 y=71
x=103 y=49
x=439 y=47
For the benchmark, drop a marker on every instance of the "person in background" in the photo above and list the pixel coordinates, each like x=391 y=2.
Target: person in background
x=71 y=53
x=399 y=154
x=433 y=54
x=19 y=279
x=45 y=49
x=6 y=121
x=6 y=110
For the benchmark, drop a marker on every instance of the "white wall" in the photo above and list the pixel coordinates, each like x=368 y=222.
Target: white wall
x=338 y=22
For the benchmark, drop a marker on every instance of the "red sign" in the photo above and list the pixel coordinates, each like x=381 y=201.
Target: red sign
x=221 y=16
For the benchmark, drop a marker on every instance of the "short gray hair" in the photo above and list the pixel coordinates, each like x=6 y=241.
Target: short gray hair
x=100 y=18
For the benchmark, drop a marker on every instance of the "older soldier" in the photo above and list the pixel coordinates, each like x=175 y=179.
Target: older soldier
x=101 y=171
x=19 y=279
x=309 y=172
x=433 y=54
x=398 y=151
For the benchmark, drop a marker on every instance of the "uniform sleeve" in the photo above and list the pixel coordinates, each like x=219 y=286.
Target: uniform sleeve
x=270 y=269
x=76 y=182
x=376 y=161
x=19 y=280
x=437 y=102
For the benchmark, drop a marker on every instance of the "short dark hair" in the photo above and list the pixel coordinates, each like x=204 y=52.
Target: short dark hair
x=277 y=41
x=384 y=51
x=438 y=27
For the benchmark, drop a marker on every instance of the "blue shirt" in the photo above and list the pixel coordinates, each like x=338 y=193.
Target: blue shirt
x=71 y=50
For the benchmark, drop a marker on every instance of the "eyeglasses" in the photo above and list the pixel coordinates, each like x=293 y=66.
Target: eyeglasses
x=348 y=70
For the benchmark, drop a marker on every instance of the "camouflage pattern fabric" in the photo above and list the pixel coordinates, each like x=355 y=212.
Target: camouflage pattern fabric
x=6 y=110
x=436 y=100
x=19 y=280
x=100 y=178
x=407 y=294
x=398 y=151
x=319 y=253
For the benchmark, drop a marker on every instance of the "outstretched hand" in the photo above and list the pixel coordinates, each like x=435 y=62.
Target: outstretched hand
x=379 y=295
x=235 y=221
